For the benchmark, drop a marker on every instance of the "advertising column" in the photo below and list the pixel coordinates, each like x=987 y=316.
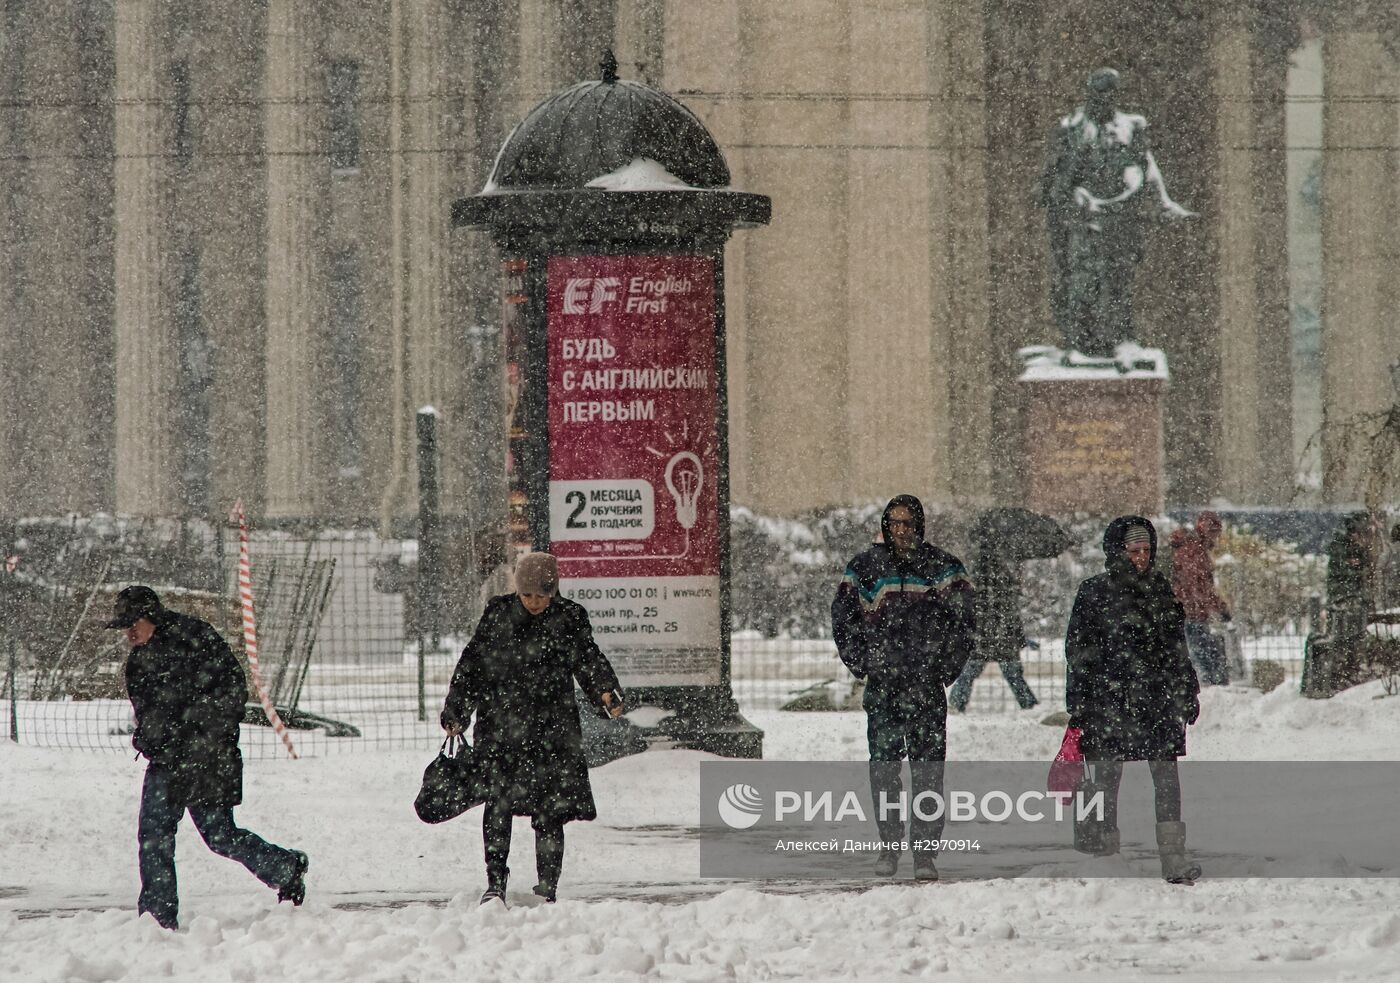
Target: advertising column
x=634 y=458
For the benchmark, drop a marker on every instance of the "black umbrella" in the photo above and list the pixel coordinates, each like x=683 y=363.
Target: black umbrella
x=1016 y=534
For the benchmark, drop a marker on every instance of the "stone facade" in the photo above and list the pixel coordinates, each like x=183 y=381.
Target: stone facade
x=229 y=273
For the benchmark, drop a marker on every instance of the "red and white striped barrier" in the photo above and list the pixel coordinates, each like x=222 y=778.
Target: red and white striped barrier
x=250 y=626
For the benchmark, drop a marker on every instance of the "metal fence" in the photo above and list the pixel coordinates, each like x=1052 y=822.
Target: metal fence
x=339 y=628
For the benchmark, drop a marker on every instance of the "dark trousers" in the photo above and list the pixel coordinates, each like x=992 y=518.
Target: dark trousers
x=1207 y=652
x=1166 y=789
x=496 y=822
x=1011 y=670
x=895 y=732
x=160 y=818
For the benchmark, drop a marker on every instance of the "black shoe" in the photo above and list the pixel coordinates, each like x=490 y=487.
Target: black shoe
x=924 y=869
x=494 y=894
x=546 y=891
x=887 y=863
x=167 y=923
x=295 y=888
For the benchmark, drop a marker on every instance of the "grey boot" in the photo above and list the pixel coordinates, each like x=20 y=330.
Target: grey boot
x=1171 y=847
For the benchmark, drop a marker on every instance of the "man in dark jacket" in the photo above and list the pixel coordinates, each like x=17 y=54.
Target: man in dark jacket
x=187 y=691
x=1131 y=689
x=903 y=621
x=517 y=675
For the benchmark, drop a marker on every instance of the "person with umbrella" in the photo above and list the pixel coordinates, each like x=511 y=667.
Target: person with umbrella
x=1005 y=538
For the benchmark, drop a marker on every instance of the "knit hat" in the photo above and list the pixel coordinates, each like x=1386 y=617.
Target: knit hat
x=537 y=573
x=1135 y=536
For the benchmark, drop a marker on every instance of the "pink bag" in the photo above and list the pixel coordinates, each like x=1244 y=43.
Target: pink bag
x=1068 y=766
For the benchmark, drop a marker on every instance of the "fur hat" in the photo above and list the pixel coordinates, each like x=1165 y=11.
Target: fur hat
x=537 y=573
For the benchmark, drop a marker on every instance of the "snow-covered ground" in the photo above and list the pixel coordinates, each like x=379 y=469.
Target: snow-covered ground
x=390 y=899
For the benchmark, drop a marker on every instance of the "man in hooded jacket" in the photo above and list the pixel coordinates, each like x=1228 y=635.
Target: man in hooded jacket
x=187 y=693
x=1131 y=689
x=903 y=621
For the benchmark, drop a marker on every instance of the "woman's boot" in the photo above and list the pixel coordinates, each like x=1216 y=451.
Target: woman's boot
x=1171 y=847
x=495 y=884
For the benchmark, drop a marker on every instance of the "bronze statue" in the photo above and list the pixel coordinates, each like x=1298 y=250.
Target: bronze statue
x=1100 y=161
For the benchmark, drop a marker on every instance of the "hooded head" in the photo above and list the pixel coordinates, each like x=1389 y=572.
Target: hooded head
x=916 y=516
x=1208 y=527
x=1116 y=539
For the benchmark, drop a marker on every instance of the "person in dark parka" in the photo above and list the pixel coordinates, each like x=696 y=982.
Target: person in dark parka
x=187 y=692
x=1131 y=688
x=517 y=675
x=1351 y=561
x=903 y=621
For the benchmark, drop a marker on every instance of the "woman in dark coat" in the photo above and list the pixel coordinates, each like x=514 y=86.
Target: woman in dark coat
x=1130 y=688
x=517 y=674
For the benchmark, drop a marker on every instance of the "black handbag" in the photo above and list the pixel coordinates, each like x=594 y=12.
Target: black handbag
x=449 y=783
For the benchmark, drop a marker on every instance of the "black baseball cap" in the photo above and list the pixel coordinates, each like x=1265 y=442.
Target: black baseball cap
x=133 y=604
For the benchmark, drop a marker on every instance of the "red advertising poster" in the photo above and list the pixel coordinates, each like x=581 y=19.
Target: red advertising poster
x=634 y=458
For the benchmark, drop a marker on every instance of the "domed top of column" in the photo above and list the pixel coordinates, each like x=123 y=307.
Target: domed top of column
x=610 y=134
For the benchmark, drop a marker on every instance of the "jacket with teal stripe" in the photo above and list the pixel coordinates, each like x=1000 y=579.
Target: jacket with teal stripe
x=904 y=617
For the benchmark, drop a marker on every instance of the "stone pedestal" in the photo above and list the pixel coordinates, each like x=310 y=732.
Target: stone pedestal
x=1092 y=438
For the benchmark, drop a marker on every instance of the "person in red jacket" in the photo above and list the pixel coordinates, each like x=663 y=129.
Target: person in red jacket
x=1193 y=583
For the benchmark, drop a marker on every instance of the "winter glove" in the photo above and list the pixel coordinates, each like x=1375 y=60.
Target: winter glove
x=1191 y=711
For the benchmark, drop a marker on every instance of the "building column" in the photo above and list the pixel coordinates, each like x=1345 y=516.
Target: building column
x=227 y=197
x=640 y=37
x=436 y=363
x=146 y=355
x=296 y=174
x=1237 y=270
x=959 y=252
x=1274 y=313
x=1255 y=435
x=1358 y=320
x=887 y=225
x=706 y=58
x=798 y=324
